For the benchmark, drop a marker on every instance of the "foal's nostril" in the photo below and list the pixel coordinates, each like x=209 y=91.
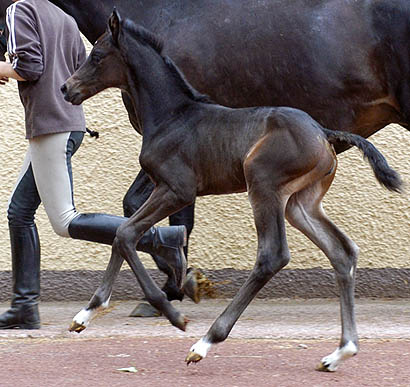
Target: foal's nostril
x=63 y=88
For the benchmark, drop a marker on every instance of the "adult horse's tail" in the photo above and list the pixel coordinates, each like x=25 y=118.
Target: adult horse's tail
x=386 y=176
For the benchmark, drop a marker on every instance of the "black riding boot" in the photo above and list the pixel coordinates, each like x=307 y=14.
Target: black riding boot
x=167 y=242
x=25 y=254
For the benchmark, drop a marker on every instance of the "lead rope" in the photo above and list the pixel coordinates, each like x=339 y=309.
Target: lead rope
x=93 y=133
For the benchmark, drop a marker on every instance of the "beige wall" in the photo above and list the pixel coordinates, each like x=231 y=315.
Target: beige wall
x=224 y=234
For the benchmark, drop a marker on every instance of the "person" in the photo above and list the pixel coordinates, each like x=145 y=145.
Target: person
x=45 y=48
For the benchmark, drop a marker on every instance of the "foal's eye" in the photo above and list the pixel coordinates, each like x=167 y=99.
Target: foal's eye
x=96 y=58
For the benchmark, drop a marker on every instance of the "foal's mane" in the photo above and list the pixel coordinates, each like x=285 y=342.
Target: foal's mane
x=146 y=37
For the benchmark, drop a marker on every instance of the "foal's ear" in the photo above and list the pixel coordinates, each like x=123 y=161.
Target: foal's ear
x=114 y=23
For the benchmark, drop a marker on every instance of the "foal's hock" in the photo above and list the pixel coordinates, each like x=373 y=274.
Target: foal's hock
x=192 y=147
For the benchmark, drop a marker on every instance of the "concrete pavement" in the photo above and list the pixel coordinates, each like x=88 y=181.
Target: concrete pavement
x=263 y=319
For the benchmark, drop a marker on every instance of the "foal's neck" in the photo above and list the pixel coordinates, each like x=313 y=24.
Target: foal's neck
x=160 y=95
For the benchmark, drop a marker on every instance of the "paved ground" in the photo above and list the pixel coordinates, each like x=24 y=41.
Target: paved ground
x=275 y=343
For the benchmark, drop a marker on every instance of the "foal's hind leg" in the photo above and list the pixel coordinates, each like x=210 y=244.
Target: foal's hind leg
x=304 y=211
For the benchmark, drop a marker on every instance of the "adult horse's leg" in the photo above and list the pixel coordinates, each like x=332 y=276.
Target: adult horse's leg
x=191 y=286
x=273 y=255
x=186 y=218
x=304 y=211
x=137 y=194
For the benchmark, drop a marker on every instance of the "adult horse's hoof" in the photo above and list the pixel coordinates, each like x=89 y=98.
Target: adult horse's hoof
x=76 y=327
x=193 y=358
x=196 y=285
x=191 y=285
x=145 y=310
x=191 y=288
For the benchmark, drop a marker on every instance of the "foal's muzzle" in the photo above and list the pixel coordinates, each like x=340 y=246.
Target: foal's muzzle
x=64 y=89
x=74 y=98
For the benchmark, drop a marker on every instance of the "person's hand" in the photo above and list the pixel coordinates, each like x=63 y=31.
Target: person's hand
x=3 y=80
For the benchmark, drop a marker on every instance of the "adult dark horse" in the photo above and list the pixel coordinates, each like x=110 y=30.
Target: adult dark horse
x=344 y=62
x=280 y=156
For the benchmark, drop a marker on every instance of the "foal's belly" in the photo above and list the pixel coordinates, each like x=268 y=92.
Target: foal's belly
x=221 y=180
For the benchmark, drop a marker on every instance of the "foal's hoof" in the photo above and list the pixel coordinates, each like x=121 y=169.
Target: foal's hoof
x=145 y=310
x=76 y=327
x=181 y=323
x=193 y=358
x=324 y=367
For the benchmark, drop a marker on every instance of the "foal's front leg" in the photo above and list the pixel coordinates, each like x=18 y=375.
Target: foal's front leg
x=101 y=297
x=160 y=204
x=273 y=255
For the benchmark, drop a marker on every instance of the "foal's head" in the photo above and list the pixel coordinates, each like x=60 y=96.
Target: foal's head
x=105 y=66
x=125 y=47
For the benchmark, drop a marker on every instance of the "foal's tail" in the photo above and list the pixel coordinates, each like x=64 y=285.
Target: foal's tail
x=386 y=176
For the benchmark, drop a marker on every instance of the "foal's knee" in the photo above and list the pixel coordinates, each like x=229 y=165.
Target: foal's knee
x=122 y=239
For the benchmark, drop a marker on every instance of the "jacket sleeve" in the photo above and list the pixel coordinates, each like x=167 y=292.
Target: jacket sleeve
x=24 y=46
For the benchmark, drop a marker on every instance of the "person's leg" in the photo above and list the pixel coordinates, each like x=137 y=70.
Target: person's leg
x=53 y=176
x=168 y=242
x=184 y=217
x=25 y=253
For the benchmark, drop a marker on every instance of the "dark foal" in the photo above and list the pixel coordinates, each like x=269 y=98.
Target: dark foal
x=281 y=156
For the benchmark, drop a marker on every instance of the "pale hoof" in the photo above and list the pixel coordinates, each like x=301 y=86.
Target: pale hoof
x=76 y=327
x=193 y=358
x=331 y=362
x=145 y=310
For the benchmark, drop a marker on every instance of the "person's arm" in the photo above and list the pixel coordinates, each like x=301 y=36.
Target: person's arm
x=7 y=71
x=24 y=45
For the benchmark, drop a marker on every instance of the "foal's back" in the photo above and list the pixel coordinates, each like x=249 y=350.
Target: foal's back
x=279 y=140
